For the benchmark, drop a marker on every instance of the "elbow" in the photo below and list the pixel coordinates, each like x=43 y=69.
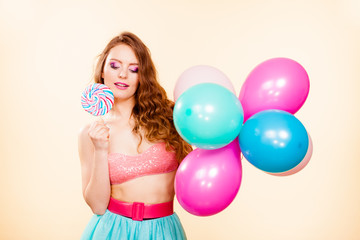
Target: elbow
x=98 y=210
x=98 y=203
x=98 y=207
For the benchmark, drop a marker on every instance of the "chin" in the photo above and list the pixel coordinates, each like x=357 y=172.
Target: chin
x=123 y=97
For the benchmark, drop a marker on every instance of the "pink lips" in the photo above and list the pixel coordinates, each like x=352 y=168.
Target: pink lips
x=121 y=86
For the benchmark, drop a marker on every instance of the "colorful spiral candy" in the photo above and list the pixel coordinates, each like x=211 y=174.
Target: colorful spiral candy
x=97 y=99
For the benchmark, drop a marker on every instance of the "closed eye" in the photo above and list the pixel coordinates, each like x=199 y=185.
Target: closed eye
x=134 y=70
x=114 y=65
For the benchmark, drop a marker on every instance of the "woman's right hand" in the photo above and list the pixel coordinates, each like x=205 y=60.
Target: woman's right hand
x=99 y=135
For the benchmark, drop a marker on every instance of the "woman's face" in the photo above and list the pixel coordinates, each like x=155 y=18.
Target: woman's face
x=120 y=72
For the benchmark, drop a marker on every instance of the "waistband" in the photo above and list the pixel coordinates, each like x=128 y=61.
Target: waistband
x=138 y=211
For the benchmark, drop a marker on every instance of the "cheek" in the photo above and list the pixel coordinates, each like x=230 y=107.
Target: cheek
x=137 y=84
x=107 y=74
x=107 y=79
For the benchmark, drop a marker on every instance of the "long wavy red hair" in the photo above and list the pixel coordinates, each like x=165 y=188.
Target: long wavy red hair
x=153 y=111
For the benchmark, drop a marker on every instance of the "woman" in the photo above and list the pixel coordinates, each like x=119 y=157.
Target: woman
x=129 y=158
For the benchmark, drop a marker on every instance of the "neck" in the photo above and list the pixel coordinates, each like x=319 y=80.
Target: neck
x=122 y=109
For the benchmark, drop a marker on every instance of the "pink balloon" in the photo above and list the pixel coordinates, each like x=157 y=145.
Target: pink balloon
x=301 y=165
x=201 y=74
x=207 y=181
x=278 y=83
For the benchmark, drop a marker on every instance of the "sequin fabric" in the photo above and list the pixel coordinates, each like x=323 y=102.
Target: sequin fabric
x=154 y=160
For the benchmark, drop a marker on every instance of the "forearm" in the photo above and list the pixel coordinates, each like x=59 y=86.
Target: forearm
x=97 y=193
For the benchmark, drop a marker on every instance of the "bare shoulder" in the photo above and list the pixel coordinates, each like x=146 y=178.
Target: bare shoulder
x=83 y=135
x=83 y=131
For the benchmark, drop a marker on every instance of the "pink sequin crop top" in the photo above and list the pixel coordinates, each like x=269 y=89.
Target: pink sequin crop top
x=154 y=160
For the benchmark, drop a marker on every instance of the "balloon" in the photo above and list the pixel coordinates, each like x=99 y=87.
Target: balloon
x=207 y=181
x=301 y=165
x=278 y=83
x=208 y=116
x=201 y=74
x=274 y=141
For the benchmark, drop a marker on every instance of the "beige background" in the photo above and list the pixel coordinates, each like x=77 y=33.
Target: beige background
x=47 y=54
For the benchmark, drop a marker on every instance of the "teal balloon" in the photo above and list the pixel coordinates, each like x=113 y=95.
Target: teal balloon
x=208 y=116
x=274 y=141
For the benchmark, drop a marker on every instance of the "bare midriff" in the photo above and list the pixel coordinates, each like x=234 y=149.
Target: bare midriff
x=150 y=189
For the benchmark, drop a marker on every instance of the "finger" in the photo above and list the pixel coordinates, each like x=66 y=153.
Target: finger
x=102 y=127
x=103 y=130
x=98 y=125
x=92 y=127
x=105 y=134
x=104 y=122
x=100 y=131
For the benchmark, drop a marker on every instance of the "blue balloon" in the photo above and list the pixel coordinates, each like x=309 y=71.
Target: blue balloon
x=274 y=141
x=208 y=116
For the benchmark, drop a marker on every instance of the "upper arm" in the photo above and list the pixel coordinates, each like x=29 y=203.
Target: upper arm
x=86 y=155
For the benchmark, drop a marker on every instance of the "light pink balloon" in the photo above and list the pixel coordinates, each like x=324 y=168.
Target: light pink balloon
x=301 y=165
x=207 y=181
x=201 y=74
x=278 y=83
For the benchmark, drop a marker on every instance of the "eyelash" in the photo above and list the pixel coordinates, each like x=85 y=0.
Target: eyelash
x=134 y=70
x=113 y=66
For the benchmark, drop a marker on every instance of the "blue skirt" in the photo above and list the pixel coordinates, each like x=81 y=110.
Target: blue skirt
x=111 y=226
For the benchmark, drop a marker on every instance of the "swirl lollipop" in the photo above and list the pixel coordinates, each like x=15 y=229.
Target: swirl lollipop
x=97 y=99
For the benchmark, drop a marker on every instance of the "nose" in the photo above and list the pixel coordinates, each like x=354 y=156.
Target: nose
x=123 y=73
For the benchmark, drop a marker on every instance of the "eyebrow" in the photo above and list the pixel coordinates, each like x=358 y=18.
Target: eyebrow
x=114 y=59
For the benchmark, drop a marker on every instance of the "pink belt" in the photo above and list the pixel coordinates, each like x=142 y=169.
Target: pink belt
x=138 y=211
